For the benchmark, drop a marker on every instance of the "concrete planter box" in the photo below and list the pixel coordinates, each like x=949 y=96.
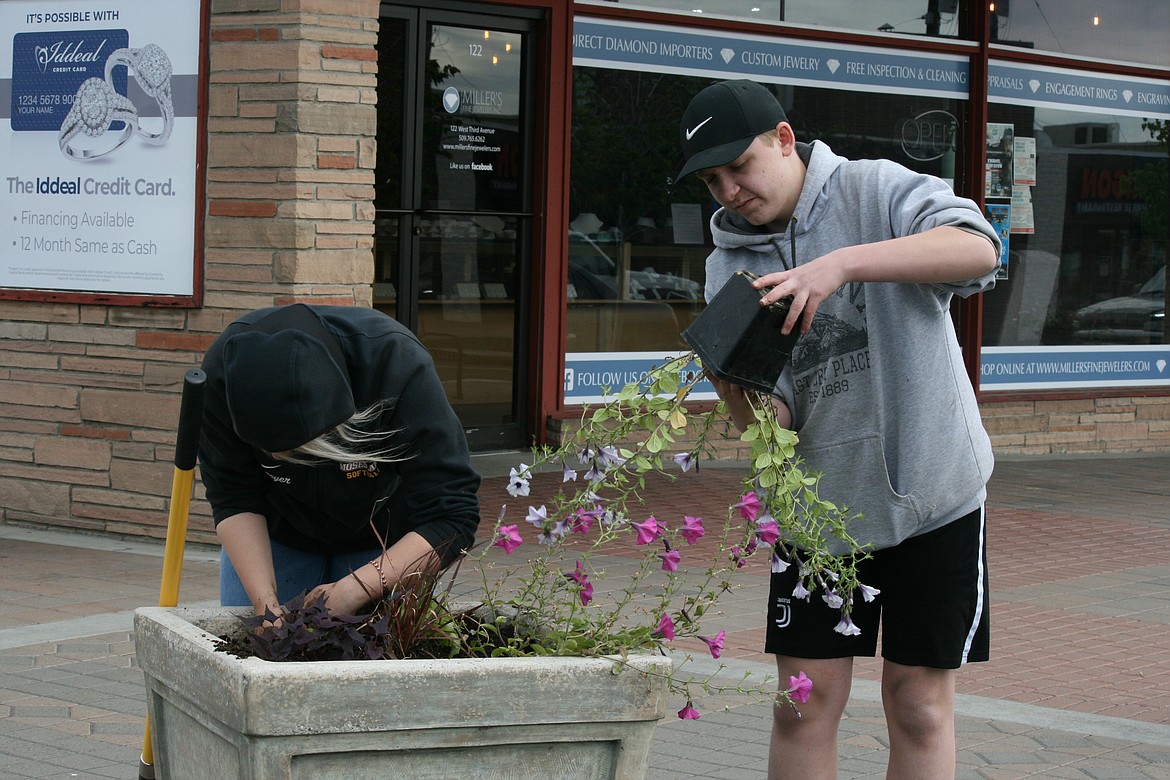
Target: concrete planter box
x=215 y=715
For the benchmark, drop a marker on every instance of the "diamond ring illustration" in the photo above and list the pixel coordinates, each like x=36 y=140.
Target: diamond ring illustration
x=152 y=70
x=96 y=106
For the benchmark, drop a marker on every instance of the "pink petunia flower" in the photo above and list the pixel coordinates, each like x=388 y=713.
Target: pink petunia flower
x=648 y=531
x=508 y=539
x=665 y=627
x=740 y=555
x=586 y=593
x=715 y=644
x=583 y=519
x=799 y=688
x=670 y=559
x=768 y=532
x=688 y=712
x=585 y=587
x=749 y=506
x=692 y=529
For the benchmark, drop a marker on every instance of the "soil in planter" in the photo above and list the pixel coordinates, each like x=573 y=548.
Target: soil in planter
x=309 y=632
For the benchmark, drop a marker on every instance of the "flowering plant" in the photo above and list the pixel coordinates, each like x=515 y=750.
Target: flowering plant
x=603 y=468
x=561 y=598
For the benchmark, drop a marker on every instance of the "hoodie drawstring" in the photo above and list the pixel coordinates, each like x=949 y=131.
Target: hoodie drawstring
x=792 y=244
x=792 y=238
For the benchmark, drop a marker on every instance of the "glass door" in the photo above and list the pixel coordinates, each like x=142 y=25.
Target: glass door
x=454 y=204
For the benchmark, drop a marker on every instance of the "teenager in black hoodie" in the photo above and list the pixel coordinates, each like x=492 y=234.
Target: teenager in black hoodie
x=327 y=437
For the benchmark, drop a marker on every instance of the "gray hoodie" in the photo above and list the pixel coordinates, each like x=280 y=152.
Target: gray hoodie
x=877 y=388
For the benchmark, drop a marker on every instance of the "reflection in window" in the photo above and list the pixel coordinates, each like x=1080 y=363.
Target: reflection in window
x=464 y=258
x=907 y=17
x=1129 y=30
x=468 y=278
x=387 y=263
x=1087 y=241
x=637 y=251
x=1125 y=30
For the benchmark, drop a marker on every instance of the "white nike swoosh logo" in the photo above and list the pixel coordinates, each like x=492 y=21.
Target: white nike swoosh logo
x=695 y=129
x=268 y=466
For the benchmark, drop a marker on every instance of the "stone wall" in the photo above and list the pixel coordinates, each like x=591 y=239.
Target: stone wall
x=1078 y=425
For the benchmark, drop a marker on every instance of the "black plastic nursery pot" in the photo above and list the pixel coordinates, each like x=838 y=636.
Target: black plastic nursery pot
x=738 y=340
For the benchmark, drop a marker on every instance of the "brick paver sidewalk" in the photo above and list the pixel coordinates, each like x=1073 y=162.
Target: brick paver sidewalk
x=1078 y=687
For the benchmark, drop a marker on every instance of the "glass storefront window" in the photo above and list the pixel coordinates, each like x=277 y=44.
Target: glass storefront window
x=635 y=277
x=907 y=17
x=1123 y=30
x=467 y=283
x=473 y=133
x=637 y=249
x=392 y=49
x=1077 y=180
x=453 y=204
x=1087 y=255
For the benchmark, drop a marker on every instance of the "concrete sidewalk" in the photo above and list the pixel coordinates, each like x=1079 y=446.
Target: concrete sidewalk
x=1078 y=685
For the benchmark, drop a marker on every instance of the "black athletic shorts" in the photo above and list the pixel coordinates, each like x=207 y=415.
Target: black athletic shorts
x=933 y=605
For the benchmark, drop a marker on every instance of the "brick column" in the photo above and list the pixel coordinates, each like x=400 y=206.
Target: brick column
x=290 y=168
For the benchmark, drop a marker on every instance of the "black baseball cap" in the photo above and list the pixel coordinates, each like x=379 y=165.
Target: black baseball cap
x=721 y=122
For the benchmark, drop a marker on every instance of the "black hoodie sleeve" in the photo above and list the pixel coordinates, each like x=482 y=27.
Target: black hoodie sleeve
x=228 y=466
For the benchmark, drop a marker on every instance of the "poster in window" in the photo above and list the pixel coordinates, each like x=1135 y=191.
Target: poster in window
x=1000 y=148
x=1024 y=161
x=1023 y=217
x=1000 y=217
x=476 y=127
x=687 y=222
x=98 y=146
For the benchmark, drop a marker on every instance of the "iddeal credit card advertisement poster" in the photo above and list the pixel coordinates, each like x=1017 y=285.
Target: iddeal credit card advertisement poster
x=99 y=128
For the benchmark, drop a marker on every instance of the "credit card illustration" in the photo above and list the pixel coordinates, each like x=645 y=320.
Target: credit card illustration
x=48 y=68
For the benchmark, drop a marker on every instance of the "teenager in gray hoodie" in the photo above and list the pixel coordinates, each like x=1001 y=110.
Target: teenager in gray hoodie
x=871 y=255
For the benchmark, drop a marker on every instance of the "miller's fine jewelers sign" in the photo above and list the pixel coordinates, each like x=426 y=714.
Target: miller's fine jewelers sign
x=99 y=137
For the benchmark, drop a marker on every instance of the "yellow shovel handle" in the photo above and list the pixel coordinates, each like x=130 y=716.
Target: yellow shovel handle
x=186 y=449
